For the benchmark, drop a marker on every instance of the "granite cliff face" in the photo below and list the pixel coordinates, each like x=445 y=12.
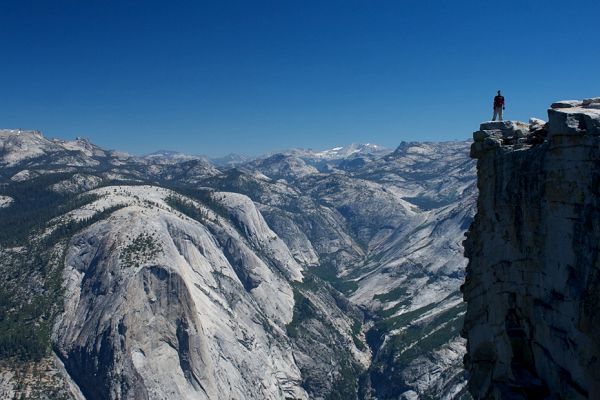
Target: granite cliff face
x=305 y=275
x=170 y=314
x=532 y=284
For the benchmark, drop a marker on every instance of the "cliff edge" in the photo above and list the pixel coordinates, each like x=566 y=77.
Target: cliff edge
x=532 y=283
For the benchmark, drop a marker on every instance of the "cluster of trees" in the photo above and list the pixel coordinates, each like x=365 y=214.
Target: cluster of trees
x=187 y=208
x=141 y=249
x=24 y=328
x=71 y=227
x=205 y=196
x=237 y=181
x=31 y=288
x=33 y=207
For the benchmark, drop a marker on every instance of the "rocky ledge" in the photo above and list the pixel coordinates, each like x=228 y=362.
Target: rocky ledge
x=532 y=284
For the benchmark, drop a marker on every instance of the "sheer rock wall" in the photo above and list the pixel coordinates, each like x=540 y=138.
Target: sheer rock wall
x=533 y=280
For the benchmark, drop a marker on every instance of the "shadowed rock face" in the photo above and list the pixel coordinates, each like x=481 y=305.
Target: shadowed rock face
x=94 y=362
x=533 y=276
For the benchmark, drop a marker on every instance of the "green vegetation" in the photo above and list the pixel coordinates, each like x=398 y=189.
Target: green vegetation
x=205 y=196
x=237 y=181
x=388 y=312
x=392 y=295
x=426 y=338
x=303 y=311
x=386 y=323
x=356 y=327
x=328 y=273
x=404 y=319
x=142 y=248
x=30 y=298
x=34 y=206
x=69 y=228
x=35 y=380
x=347 y=375
x=346 y=386
x=31 y=265
x=414 y=340
x=25 y=331
x=187 y=208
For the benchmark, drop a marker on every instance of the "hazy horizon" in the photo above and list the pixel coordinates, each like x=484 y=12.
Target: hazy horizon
x=250 y=155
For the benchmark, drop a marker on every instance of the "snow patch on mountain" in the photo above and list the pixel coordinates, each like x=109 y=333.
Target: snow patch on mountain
x=169 y=156
x=351 y=150
x=339 y=152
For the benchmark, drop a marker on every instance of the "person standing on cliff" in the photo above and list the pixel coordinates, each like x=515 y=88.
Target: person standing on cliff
x=498 y=106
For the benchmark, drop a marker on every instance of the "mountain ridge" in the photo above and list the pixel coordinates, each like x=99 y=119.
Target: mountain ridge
x=351 y=227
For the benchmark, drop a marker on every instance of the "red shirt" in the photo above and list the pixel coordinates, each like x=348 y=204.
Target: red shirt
x=498 y=101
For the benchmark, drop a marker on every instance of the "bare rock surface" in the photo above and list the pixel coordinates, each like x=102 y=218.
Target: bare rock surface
x=5 y=201
x=533 y=276
x=166 y=310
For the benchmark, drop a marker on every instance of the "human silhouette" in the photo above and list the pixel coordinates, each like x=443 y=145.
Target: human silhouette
x=498 y=106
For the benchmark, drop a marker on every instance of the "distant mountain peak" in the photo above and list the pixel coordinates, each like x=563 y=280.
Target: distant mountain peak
x=340 y=152
x=19 y=131
x=168 y=153
x=171 y=157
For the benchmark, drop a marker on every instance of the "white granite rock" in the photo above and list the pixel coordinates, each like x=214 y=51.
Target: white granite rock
x=536 y=123
x=566 y=104
x=574 y=121
x=176 y=308
x=589 y=102
x=6 y=201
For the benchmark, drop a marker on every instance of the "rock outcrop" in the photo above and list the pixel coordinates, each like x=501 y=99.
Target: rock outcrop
x=176 y=308
x=532 y=284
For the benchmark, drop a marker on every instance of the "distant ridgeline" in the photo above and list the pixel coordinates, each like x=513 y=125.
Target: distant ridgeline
x=305 y=275
x=532 y=284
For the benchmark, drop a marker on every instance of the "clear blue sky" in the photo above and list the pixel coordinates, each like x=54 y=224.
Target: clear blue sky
x=213 y=77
